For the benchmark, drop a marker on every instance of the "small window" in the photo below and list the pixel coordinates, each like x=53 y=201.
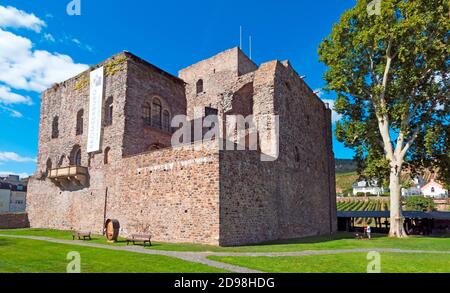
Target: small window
x=61 y=161
x=109 y=111
x=166 y=121
x=200 y=86
x=297 y=155
x=106 y=156
x=147 y=114
x=156 y=113
x=79 y=127
x=432 y=190
x=48 y=167
x=211 y=111
x=55 y=127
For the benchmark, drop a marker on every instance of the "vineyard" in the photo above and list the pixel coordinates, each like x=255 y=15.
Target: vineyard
x=363 y=205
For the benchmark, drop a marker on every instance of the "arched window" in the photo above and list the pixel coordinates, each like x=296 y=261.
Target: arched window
x=78 y=158
x=75 y=156
x=109 y=111
x=48 y=167
x=156 y=113
x=199 y=86
x=166 y=121
x=55 y=127
x=79 y=127
x=433 y=190
x=147 y=114
x=106 y=156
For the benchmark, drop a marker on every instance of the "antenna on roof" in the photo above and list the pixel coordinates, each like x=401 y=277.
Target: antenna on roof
x=240 y=37
x=250 y=45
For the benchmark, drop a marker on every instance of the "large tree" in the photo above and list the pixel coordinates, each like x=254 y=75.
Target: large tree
x=390 y=71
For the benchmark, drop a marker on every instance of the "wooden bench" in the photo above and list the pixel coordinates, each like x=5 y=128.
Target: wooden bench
x=140 y=239
x=81 y=235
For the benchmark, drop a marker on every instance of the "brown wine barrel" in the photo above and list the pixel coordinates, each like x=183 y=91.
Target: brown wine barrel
x=112 y=227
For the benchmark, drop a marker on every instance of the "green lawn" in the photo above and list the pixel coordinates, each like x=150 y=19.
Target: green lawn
x=25 y=255
x=338 y=241
x=344 y=263
x=33 y=256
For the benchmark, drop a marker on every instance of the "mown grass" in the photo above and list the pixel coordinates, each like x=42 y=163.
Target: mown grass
x=34 y=256
x=338 y=241
x=345 y=263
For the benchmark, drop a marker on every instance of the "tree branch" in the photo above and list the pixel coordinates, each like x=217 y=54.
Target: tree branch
x=383 y=120
x=410 y=142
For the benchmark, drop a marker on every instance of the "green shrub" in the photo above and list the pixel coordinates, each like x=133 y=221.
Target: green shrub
x=419 y=203
x=360 y=194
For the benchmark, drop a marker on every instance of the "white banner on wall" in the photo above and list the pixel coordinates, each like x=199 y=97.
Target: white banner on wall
x=95 y=110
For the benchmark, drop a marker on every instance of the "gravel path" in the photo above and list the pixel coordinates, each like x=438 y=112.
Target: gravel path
x=201 y=257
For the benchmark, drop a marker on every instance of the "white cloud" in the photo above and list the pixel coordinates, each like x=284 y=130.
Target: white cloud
x=21 y=175
x=13 y=113
x=14 y=157
x=49 y=37
x=81 y=45
x=14 y=18
x=7 y=97
x=21 y=67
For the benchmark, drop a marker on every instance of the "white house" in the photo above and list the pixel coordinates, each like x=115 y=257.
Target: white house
x=366 y=186
x=12 y=197
x=434 y=189
x=416 y=188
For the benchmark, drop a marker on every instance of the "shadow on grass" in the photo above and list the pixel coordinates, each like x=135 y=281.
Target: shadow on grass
x=6 y=242
x=316 y=239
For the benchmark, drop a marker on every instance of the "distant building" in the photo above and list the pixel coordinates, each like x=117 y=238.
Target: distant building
x=367 y=187
x=416 y=188
x=434 y=189
x=12 y=197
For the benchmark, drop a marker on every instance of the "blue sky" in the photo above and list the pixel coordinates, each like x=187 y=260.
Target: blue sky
x=45 y=45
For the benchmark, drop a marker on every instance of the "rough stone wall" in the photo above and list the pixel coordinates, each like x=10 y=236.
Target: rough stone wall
x=144 y=83
x=222 y=75
x=48 y=205
x=14 y=220
x=294 y=195
x=171 y=193
x=65 y=100
x=176 y=205
x=306 y=158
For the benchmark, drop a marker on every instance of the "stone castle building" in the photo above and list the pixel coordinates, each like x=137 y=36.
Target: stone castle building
x=176 y=193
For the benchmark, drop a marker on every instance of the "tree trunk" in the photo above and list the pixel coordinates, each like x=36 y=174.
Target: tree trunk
x=397 y=229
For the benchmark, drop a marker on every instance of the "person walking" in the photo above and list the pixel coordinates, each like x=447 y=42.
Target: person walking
x=368 y=231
